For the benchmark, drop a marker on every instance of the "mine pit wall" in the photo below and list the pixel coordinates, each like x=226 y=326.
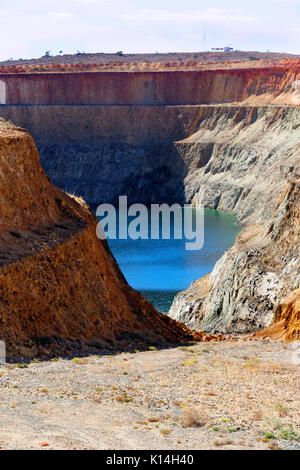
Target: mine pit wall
x=235 y=158
x=200 y=154
x=239 y=158
x=149 y=88
x=256 y=283
x=102 y=134
x=100 y=152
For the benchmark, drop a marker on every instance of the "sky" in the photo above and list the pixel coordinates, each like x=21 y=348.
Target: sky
x=29 y=28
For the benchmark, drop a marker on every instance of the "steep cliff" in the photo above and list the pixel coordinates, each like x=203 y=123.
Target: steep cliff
x=239 y=158
x=288 y=316
x=60 y=287
x=256 y=85
x=248 y=287
x=94 y=151
x=217 y=155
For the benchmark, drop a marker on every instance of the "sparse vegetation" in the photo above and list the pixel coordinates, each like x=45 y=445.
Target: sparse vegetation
x=165 y=432
x=191 y=418
x=275 y=423
x=269 y=435
x=190 y=362
x=253 y=363
x=225 y=442
x=189 y=349
x=284 y=430
x=225 y=405
x=289 y=434
x=79 y=360
x=231 y=429
x=153 y=420
x=281 y=409
x=225 y=420
x=124 y=398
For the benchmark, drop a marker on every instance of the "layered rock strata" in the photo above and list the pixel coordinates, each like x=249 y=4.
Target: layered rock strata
x=256 y=283
x=220 y=156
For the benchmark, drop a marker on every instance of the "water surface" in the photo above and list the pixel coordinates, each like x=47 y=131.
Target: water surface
x=159 y=269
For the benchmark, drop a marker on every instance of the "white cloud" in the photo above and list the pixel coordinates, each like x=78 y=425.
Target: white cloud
x=216 y=15
x=63 y=15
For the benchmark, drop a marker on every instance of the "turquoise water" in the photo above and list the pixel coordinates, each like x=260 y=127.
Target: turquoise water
x=161 y=268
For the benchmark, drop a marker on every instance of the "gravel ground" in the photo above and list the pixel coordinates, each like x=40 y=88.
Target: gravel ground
x=227 y=395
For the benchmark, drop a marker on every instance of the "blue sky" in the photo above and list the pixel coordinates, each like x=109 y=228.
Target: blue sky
x=29 y=28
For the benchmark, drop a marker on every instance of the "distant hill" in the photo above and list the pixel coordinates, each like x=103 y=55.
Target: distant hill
x=103 y=58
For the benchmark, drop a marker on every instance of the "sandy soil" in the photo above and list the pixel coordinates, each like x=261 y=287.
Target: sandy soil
x=229 y=395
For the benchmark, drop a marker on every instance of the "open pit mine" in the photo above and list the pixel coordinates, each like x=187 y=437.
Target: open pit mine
x=223 y=136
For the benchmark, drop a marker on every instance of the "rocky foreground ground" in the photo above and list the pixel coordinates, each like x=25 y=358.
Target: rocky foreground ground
x=238 y=394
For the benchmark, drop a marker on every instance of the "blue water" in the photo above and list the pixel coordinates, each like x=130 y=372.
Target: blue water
x=159 y=269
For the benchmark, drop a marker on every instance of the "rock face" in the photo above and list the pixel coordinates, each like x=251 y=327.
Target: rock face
x=234 y=151
x=60 y=286
x=248 y=286
x=288 y=315
x=263 y=85
x=286 y=324
x=93 y=151
x=220 y=156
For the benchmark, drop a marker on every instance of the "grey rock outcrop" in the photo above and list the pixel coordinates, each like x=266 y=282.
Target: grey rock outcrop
x=249 y=282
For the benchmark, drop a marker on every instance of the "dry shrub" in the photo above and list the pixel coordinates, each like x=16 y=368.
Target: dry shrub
x=192 y=418
x=253 y=363
x=226 y=442
x=154 y=420
x=281 y=409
